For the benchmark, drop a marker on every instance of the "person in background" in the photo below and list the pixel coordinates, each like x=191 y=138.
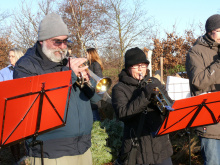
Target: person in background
x=96 y=66
x=70 y=144
x=7 y=72
x=133 y=104
x=203 y=70
x=69 y=49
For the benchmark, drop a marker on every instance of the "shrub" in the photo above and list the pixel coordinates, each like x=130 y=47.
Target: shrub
x=100 y=152
x=106 y=141
x=114 y=129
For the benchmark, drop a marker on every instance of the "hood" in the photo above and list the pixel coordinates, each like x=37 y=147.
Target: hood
x=36 y=53
x=207 y=42
x=127 y=79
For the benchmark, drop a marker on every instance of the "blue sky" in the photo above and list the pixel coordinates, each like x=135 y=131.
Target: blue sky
x=182 y=13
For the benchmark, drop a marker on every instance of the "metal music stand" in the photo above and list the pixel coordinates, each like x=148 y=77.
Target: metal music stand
x=192 y=112
x=32 y=106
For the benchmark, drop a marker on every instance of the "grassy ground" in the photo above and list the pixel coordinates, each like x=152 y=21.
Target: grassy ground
x=180 y=142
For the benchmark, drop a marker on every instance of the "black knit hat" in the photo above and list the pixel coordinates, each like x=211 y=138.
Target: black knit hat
x=212 y=23
x=135 y=56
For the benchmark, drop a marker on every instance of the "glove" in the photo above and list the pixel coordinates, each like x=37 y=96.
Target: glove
x=149 y=90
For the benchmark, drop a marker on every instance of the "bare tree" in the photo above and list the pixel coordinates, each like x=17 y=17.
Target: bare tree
x=4 y=15
x=5 y=44
x=129 y=25
x=26 y=21
x=86 y=22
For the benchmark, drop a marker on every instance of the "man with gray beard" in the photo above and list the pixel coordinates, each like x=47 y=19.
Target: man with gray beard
x=71 y=143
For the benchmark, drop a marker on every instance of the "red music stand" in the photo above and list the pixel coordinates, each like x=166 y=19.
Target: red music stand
x=192 y=112
x=32 y=106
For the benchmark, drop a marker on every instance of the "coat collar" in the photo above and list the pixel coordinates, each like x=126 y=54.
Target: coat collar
x=206 y=41
x=125 y=77
x=45 y=62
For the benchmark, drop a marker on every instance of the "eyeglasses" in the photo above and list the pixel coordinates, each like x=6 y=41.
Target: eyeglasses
x=216 y=31
x=59 y=42
x=139 y=65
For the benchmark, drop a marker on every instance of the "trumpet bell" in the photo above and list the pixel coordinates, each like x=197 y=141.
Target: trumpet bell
x=103 y=85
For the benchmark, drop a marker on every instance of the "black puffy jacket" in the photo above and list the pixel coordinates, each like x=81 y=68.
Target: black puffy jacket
x=95 y=67
x=129 y=101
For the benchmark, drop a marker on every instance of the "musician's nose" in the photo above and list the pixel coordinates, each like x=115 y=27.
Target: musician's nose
x=62 y=46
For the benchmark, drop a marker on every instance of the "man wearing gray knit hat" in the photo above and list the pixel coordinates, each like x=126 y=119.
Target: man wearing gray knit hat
x=69 y=144
x=203 y=69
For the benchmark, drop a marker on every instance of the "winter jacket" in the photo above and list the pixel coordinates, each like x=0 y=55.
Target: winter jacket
x=6 y=73
x=203 y=69
x=129 y=101
x=96 y=68
x=75 y=137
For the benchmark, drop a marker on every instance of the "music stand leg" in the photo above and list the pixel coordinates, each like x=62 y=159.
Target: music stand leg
x=42 y=156
x=189 y=139
x=39 y=142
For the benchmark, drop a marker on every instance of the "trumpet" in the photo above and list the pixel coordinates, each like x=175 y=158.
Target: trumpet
x=102 y=84
x=159 y=99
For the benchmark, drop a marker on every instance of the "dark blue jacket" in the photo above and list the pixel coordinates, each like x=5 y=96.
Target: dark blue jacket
x=75 y=137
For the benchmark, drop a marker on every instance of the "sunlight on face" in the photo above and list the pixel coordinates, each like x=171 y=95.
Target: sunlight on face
x=87 y=55
x=12 y=58
x=215 y=35
x=55 y=52
x=138 y=71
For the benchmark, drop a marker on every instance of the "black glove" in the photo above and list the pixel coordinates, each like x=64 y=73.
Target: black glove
x=149 y=90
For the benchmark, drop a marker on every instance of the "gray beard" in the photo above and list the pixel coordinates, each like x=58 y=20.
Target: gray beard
x=50 y=53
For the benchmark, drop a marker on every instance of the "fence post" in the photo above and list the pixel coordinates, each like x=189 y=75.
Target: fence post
x=161 y=69
x=149 y=57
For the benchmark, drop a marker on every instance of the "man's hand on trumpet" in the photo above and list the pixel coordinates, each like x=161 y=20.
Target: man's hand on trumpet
x=76 y=64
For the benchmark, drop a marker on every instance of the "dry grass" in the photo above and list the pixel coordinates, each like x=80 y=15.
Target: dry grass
x=180 y=142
